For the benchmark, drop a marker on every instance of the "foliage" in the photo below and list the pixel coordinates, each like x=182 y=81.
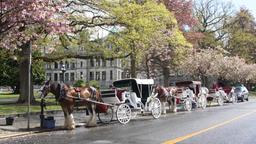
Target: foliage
x=242 y=36
x=212 y=63
x=9 y=70
x=138 y=23
x=94 y=83
x=183 y=11
x=38 y=69
x=79 y=83
x=25 y=20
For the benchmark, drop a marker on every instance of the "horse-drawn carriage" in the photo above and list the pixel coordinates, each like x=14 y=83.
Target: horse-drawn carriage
x=129 y=97
x=221 y=95
x=191 y=94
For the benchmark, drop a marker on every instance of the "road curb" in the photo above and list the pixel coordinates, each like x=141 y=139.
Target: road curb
x=15 y=135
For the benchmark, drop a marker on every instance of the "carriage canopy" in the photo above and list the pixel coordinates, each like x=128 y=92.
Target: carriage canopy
x=142 y=87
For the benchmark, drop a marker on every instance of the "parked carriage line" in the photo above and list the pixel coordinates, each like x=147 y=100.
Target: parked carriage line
x=132 y=96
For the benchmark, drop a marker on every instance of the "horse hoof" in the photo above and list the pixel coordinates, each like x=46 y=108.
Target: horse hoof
x=91 y=125
x=70 y=127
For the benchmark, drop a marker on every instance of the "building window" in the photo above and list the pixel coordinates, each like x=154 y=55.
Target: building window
x=81 y=75
x=103 y=77
x=97 y=75
x=111 y=63
x=67 y=65
x=66 y=77
x=119 y=75
x=111 y=75
x=61 y=76
x=103 y=63
x=48 y=76
x=55 y=65
x=98 y=62
x=48 y=66
x=123 y=75
x=92 y=62
x=91 y=75
x=61 y=63
x=81 y=64
x=72 y=76
x=55 y=77
x=73 y=65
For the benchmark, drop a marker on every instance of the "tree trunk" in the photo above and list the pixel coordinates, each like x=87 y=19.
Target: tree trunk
x=166 y=74
x=147 y=69
x=133 y=65
x=24 y=66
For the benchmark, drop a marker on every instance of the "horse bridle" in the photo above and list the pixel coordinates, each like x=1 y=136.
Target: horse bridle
x=43 y=88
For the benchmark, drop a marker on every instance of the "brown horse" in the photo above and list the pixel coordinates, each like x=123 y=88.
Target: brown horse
x=67 y=97
x=166 y=95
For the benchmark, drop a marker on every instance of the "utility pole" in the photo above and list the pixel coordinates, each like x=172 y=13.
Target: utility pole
x=29 y=82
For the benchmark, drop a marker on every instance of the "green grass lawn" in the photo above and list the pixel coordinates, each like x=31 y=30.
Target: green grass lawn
x=22 y=109
x=13 y=108
x=8 y=96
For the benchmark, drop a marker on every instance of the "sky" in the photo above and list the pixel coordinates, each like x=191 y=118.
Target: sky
x=249 y=4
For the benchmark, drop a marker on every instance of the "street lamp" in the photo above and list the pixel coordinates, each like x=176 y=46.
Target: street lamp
x=63 y=70
x=82 y=77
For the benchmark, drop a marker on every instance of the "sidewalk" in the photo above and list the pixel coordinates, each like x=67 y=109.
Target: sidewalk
x=20 y=123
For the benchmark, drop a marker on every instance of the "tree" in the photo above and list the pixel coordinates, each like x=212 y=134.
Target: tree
x=200 y=64
x=166 y=52
x=138 y=23
x=212 y=17
x=209 y=62
x=22 y=22
x=9 y=72
x=242 y=36
x=183 y=11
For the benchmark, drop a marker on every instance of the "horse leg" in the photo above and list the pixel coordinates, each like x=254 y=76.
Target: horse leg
x=92 y=120
x=163 y=107
x=174 y=105
x=70 y=119
x=65 y=111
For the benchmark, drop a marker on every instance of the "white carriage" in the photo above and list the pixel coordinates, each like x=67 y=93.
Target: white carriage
x=129 y=97
x=191 y=94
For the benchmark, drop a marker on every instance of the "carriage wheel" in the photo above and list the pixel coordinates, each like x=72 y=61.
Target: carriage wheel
x=203 y=102
x=220 y=101
x=234 y=99
x=188 y=104
x=106 y=117
x=155 y=108
x=123 y=113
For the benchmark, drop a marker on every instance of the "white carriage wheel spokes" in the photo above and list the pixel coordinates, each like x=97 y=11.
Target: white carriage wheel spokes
x=188 y=104
x=234 y=100
x=123 y=113
x=156 y=108
x=203 y=102
x=220 y=101
x=106 y=117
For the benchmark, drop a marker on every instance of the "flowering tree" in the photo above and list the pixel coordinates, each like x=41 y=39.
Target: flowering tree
x=200 y=64
x=165 y=53
x=212 y=63
x=24 y=21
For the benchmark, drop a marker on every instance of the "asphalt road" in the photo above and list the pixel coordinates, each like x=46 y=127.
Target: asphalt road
x=228 y=124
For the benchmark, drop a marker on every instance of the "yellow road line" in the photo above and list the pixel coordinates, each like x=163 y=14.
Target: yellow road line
x=182 y=138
